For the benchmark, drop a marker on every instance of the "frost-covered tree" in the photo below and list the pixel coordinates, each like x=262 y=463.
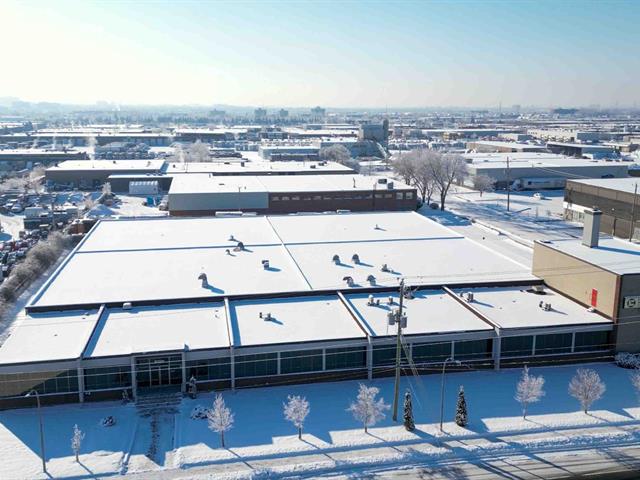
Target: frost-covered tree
x=76 y=441
x=295 y=411
x=409 y=424
x=586 y=387
x=220 y=418
x=529 y=390
x=635 y=381
x=462 y=418
x=483 y=183
x=368 y=409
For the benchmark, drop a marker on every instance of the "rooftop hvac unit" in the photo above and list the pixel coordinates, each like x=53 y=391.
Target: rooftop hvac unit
x=390 y=186
x=265 y=264
x=336 y=259
x=126 y=306
x=266 y=316
x=349 y=281
x=539 y=289
x=390 y=300
x=382 y=181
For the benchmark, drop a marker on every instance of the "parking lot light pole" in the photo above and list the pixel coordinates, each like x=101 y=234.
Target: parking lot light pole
x=444 y=368
x=42 y=455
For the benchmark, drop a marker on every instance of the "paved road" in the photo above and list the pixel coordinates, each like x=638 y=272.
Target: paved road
x=614 y=463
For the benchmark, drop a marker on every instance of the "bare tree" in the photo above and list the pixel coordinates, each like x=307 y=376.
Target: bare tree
x=586 y=387
x=296 y=410
x=76 y=441
x=404 y=168
x=198 y=152
x=35 y=180
x=220 y=418
x=335 y=153
x=529 y=390
x=415 y=169
x=445 y=170
x=483 y=183
x=367 y=408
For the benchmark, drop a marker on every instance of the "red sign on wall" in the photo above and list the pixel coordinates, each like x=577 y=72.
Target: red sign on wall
x=594 y=297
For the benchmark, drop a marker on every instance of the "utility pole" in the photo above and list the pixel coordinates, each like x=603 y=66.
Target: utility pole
x=508 y=184
x=398 y=319
x=633 y=212
x=42 y=454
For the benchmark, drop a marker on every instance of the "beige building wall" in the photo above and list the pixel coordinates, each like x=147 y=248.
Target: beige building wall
x=576 y=278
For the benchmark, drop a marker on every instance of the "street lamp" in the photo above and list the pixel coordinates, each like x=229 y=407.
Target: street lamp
x=42 y=455
x=444 y=367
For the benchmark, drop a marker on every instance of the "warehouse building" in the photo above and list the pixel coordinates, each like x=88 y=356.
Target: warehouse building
x=617 y=198
x=506 y=147
x=202 y=194
x=258 y=300
x=581 y=150
x=602 y=274
x=93 y=173
x=534 y=171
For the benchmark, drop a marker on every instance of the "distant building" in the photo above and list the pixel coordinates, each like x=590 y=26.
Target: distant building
x=375 y=132
x=207 y=195
x=260 y=113
x=318 y=113
x=507 y=147
x=283 y=113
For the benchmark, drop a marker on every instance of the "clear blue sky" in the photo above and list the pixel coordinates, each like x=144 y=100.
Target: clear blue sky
x=331 y=53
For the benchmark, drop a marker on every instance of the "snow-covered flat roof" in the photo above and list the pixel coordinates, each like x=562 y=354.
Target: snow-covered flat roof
x=48 y=336
x=233 y=165
x=156 y=329
x=205 y=183
x=612 y=254
x=301 y=319
x=627 y=185
x=119 y=165
x=429 y=312
x=138 y=275
x=518 y=307
x=161 y=259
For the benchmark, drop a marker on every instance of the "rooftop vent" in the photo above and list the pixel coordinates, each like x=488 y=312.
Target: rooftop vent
x=355 y=258
x=126 y=306
x=203 y=278
x=349 y=281
x=390 y=300
x=390 y=186
x=371 y=279
x=591 y=231
x=265 y=264
x=266 y=316
x=239 y=247
x=469 y=297
x=232 y=238
x=336 y=259
x=545 y=306
x=227 y=251
x=371 y=301
x=385 y=268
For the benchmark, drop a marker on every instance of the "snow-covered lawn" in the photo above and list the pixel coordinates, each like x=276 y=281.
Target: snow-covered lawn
x=129 y=206
x=261 y=434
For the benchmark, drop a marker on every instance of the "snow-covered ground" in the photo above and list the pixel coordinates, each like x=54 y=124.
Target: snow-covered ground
x=129 y=206
x=262 y=442
x=11 y=226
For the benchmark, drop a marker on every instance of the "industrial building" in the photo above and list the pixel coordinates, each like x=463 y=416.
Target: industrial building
x=507 y=147
x=617 y=198
x=603 y=274
x=533 y=171
x=260 y=300
x=582 y=149
x=207 y=194
x=120 y=173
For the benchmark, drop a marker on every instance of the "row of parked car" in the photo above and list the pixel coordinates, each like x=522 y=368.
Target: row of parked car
x=13 y=251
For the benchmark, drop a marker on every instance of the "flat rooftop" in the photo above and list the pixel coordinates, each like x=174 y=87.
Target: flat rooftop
x=160 y=259
x=627 y=185
x=613 y=254
x=291 y=320
x=428 y=312
x=108 y=165
x=207 y=183
x=518 y=307
x=259 y=168
x=502 y=144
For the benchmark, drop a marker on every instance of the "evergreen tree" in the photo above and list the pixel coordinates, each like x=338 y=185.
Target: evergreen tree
x=408 y=412
x=461 y=409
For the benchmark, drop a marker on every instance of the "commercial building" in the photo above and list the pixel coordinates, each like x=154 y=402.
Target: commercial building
x=259 y=300
x=533 y=171
x=207 y=194
x=289 y=152
x=603 y=274
x=582 y=149
x=497 y=146
x=93 y=173
x=617 y=198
